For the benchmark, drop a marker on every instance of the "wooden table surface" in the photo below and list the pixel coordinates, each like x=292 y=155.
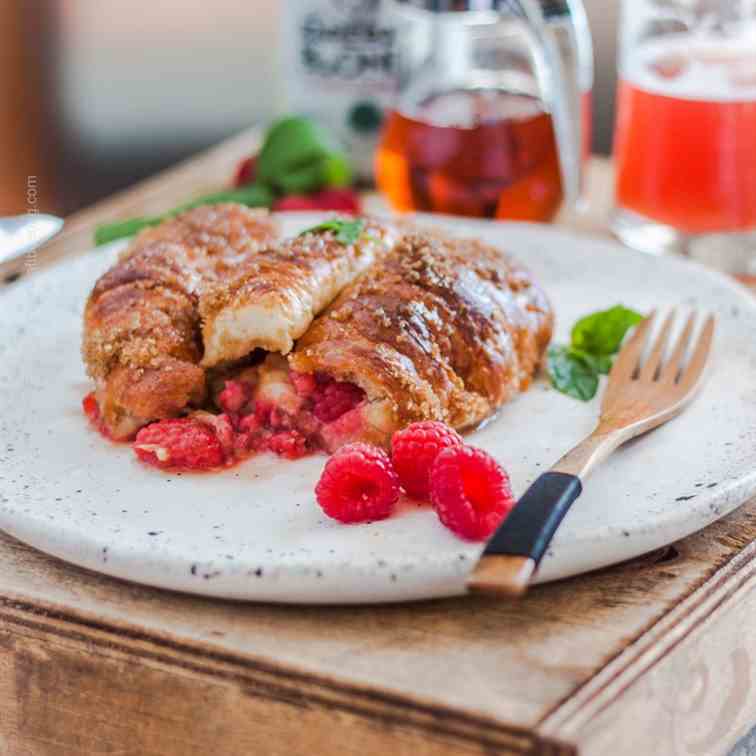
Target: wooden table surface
x=653 y=656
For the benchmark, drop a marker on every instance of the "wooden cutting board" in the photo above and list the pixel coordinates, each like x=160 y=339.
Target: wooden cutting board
x=649 y=657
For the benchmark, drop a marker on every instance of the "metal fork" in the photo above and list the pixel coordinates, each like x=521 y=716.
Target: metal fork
x=641 y=394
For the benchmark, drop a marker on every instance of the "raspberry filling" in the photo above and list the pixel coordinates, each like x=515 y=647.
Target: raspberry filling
x=262 y=408
x=289 y=413
x=92 y=410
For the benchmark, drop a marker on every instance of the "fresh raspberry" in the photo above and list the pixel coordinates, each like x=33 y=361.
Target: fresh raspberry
x=184 y=443
x=246 y=171
x=234 y=396
x=288 y=444
x=90 y=407
x=358 y=484
x=336 y=398
x=469 y=491
x=345 y=200
x=414 y=450
x=295 y=202
x=92 y=411
x=221 y=425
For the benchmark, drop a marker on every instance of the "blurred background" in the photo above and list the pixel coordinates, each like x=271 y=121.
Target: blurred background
x=96 y=95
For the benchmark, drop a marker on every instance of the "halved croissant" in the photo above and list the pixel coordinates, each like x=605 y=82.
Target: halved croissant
x=439 y=329
x=273 y=300
x=141 y=340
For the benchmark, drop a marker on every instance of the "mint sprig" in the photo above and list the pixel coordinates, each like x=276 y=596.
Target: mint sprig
x=574 y=369
x=601 y=333
x=344 y=231
x=254 y=195
x=571 y=374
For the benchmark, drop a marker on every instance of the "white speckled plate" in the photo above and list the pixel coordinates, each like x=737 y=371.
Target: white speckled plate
x=255 y=532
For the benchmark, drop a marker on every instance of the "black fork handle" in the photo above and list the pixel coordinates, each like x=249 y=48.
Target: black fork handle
x=531 y=525
x=512 y=555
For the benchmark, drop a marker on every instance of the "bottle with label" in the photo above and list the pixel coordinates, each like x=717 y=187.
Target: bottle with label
x=340 y=69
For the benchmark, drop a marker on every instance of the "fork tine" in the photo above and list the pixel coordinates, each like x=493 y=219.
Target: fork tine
x=648 y=371
x=630 y=354
x=671 y=368
x=627 y=360
x=695 y=367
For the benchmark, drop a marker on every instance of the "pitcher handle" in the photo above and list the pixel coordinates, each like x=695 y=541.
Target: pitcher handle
x=554 y=24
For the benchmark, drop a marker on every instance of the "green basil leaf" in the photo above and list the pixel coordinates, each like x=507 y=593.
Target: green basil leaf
x=601 y=333
x=601 y=363
x=571 y=374
x=604 y=364
x=298 y=157
x=344 y=231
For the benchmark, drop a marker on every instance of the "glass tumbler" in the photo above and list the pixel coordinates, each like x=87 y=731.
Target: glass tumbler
x=685 y=141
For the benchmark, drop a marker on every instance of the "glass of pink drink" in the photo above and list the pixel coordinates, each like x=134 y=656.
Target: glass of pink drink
x=685 y=142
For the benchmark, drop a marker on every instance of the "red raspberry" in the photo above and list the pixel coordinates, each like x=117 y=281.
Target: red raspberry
x=335 y=399
x=470 y=492
x=92 y=411
x=234 y=396
x=90 y=407
x=270 y=415
x=243 y=444
x=296 y=202
x=306 y=423
x=358 y=484
x=263 y=411
x=345 y=200
x=288 y=444
x=414 y=450
x=221 y=425
x=249 y=424
x=184 y=443
x=304 y=383
x=246 y=171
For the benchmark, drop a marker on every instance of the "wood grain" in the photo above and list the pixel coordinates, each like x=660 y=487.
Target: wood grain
x=651 y=656
x=689 y=677
x=83 y=690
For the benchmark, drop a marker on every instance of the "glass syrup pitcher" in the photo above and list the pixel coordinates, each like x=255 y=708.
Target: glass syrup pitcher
x=492 y=116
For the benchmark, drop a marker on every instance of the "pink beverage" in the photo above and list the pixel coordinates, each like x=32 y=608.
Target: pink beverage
x=685 y=143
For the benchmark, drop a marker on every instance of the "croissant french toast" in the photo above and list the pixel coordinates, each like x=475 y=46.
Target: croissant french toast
x=141 y=341
x=273 y=300
x=440 y=328
x=385 y=329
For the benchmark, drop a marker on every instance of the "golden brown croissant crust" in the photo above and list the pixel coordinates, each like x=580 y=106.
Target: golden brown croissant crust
x=442 y=328
x=141 y=321
x=273 y=300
